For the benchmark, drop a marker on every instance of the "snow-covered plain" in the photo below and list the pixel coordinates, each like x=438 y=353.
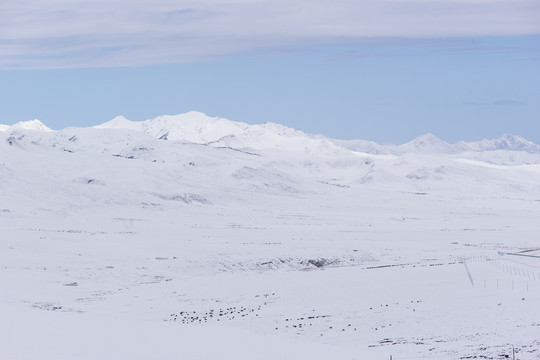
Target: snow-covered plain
x=191 y=237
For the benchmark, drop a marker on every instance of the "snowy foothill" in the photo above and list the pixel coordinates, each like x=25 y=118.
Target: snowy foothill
x=198 y=237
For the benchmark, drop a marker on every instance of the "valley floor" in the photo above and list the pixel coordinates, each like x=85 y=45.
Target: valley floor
x=414 y=276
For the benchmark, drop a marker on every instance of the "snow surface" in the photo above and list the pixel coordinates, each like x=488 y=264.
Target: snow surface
x=429 y=143
x=26 y=125
x=236 y=241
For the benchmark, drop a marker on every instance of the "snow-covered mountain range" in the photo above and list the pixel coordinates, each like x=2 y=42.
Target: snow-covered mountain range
x=199 y=128
x=155 y=239
x=429 y=143
x=224 y=157
x=217 y=160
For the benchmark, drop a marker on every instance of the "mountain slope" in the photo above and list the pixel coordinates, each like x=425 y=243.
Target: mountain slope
x=196 y=127
x=218 y=161
x=34 y=125
x=505 y=142
x=264 y=242
x=429 y=144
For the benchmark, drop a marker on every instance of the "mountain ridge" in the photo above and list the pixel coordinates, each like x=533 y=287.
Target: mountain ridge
x=197 y=127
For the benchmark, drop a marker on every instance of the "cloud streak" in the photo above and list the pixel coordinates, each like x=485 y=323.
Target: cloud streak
x=82 y=33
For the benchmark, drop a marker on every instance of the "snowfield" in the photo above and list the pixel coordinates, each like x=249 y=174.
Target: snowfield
x=192 y=237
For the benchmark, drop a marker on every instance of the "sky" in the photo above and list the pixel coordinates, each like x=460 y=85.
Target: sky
x=381 y=70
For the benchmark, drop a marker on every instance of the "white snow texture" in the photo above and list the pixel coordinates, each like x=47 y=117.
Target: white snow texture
x=196 y=237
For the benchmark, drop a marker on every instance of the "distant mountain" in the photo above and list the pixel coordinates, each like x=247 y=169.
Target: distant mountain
x=193 y=126
x=505 y=142
x=35 y=125
x=199 y=128
x=430 y=144
x=120 y=122
x=427 y=143
x=364 y=146
x=194 y=159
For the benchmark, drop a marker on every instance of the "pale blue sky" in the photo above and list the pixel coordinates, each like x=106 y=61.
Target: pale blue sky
x=380 y=88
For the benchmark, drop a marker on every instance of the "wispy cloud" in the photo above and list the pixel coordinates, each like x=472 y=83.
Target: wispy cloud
x=99 y=33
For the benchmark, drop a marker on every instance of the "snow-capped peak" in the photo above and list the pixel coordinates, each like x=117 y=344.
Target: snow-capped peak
x=35 y=125
x=505 y=142
x=120 y=122
x=427 y=139
x=4 y=127
x=512 y=142
x=428 y=143
x=193 y=127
